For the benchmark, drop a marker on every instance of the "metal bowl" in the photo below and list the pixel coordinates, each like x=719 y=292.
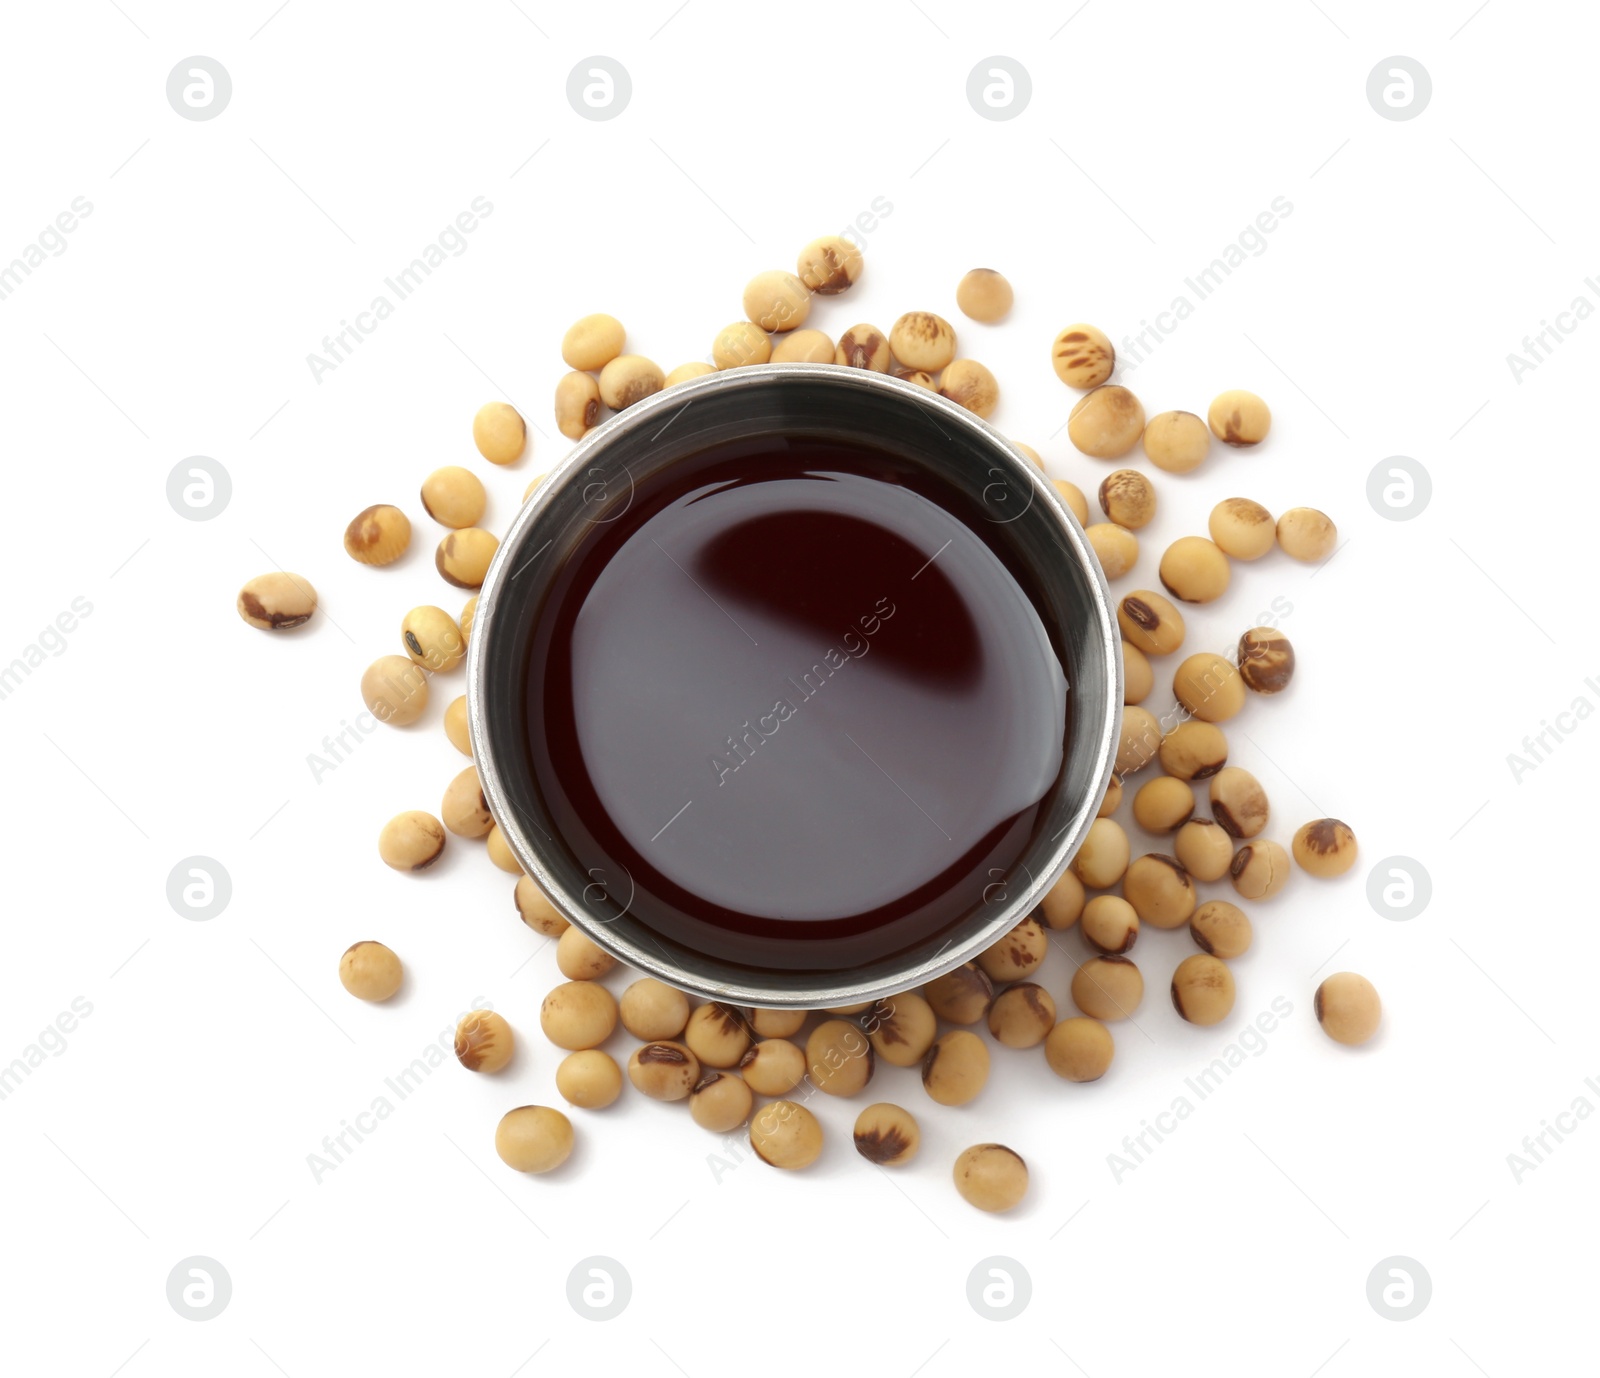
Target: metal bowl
x=595 y=483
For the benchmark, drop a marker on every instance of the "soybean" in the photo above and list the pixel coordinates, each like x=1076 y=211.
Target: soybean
x=720 y=1102
x=1202 y=989
x=1108 y=988
x=969 y=384
x=535 y=910
x=1073 y=497
x=1115 y=547
x=578 y=403
x=863 y=346
x=1150 y=622
x=1063 y=902
x=1203 y=849
x=411 y=841
x=901 y=1029
x=395 y=690
x=1110 y=924
x=277 y=602
x=580 y=958
x=1194 y=750
x=1082 y=356
x=991 y=1177
x=1260 y=869
x=1163 y=805
x=1239 y=418
x=1242 y=529
x=370 y=971
x=775 y=1023
x=1020 y=953
x=829 y=265
x=1138 y=741
x=484 y=1041
x=773 y=1067
x=1348 y=1008
x=593 y=342
x=500 y=853
x=1266 y=660
x=1079 y=1049
x=652 y=1010
x=803 y=347
x=464 y=810
x=1128 y=498
x=922 y=340
x=887 y=1135
x=432 y=639
x=1209 y=687
x=785 y=1135
x=1160 y=890
x=1112 y=800
x=463 y=556
x=664 y=1070
x=499 y=432
x=1106 y=423
x=960 y=996
x=1194 y=570
x=839 y=1057
x=1022 y=1015
x=533 y=1138
x=1138 y=679
x=1325 y=847
x=378 y=535
x=1176 y=441
x=578 y=1014
x=1239 y=803
x=776 y=300
x=956 y=1068
x=630 y=378
x=589 y=1079
x=1103 y=856
x=717 y=1035
x=984 y=295
x=1222 y=929
x=1307 y=535
x=452 y=496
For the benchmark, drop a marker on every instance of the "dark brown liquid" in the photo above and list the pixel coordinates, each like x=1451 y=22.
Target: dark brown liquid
x=800 y=693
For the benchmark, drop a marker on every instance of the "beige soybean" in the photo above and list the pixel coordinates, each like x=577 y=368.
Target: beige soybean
x=1063 y=902
x=984 y=295
x=1203 y=849
x=1238 y=802
x=1176 y=441
x=803 y=347
x=1079 y=1049
x=532 y=485
x=785 y=1135
x=991 y=1177
x=969 y=384
x=887 y=1135
x=1209 y=687
x=463 y=556
x=684 y=372
x=1112 y=800
x=1115 y=547
x=1325 y=847
x=1163 y=804
x=1260 y=869
x=1239 y=418
x=1266 y=660
x=395 y=690
x=1242 y=529
x=500 y=853
x=593 y=342
x=1307 y=535
x=578 y=404
x=775 y=1023
x=920 y=377
x=1194 y=750
x=1082 y=356
x=1106 y=423
x=956 y=1068
x=776 y=300
x=1020 y=953
x=580 y=958
x=829 y=265
x=717 y=1034
x=1160 y=890
x=469 y=615
x=1033 y=455
x=960 y=996
x=1139 y=740
x=1348 y=1008
x=533 y=1138
x=1222 y=929
x=589 y=1079
x=1150 y=622
x=432 y=639
x=370 y=971
x=499 y=432
x=454 y=496
x=1022 y=1015
x=578 y=1014
x=464 y=810
x=1107 y=988
x=1073 y=497
x=653 y=1010
x=630 y=378
x=901 y=1029
x=863 y=346
x=535 y=910
x=773 y=1067
x=484 y=1041
x=1202 y=989
x=411 y=841
x=664 y=1070
x=378 y=535
x=1103 y=857
x=1194 y=570
x=277 y=602
x=1110 y=924
x=1128 y=498
x=839 y=1057
x=1138 y=678
x=922 y=340
x=720 y=1102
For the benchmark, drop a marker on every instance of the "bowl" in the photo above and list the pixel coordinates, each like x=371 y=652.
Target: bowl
x=596 y=483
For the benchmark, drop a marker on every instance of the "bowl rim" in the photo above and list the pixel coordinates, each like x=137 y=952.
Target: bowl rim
x=493 y=769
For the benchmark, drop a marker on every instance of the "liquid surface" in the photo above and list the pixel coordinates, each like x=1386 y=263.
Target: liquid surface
x=800 y=700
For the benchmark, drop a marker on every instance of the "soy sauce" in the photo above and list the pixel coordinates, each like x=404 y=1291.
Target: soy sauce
x=799 y=694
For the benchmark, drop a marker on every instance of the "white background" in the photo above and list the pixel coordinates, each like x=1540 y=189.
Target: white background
x=179 y=1118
